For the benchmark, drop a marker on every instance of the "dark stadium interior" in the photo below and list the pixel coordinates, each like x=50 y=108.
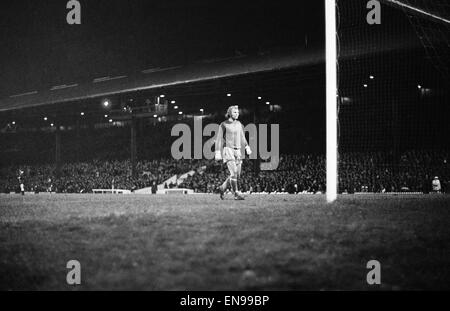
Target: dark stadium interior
x=393 y=97
x=93 y=176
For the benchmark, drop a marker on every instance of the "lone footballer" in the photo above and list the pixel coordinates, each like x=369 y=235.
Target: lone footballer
x=229 y=141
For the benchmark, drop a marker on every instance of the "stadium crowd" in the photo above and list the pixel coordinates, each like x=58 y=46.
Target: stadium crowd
x=385 y=172
x=84 y=176
x=358 y=172
x=295 y=173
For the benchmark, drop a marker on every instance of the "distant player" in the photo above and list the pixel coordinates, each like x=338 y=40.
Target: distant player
x=230 y=138
x=22 y=188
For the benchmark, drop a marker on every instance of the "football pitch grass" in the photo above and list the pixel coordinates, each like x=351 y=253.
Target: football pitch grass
x=198 y=242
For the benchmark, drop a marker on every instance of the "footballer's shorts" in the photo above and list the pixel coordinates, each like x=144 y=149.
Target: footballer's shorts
x=232 y=154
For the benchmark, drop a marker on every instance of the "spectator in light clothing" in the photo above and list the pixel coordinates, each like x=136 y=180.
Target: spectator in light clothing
x=436 y=185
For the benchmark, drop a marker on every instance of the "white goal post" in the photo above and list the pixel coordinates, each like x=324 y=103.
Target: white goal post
x=331 y=100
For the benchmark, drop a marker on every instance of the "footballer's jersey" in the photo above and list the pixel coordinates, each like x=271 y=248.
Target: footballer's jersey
x=230 y=134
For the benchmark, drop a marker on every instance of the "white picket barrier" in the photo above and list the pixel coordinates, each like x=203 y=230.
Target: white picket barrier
x=115 y=191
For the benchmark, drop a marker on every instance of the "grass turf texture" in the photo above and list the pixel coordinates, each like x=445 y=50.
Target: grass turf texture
x=198 y=242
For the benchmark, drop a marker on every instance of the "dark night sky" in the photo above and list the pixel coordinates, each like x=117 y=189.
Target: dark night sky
x=39 y=49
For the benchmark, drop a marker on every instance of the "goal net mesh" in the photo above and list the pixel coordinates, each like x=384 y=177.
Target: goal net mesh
x=393 y=95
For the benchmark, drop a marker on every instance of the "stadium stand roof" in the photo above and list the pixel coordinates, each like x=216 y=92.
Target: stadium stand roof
x=154 y=78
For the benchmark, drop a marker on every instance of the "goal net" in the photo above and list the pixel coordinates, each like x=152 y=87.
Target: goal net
x=393 y=95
